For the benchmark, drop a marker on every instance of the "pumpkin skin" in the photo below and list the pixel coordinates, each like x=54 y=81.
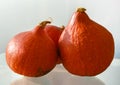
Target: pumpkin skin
x=86 y=47
x=31 y=53
x=54 y=33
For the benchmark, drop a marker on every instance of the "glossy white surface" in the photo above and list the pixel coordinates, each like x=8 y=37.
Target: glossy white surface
x=59 y=76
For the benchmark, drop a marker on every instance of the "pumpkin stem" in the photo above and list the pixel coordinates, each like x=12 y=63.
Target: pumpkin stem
x=81 y=10
x=43 y=24
x=62 y=27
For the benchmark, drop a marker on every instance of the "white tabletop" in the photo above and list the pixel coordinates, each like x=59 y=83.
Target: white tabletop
x=59 y=76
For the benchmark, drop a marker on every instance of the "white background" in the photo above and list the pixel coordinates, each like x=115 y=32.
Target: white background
x=21 y=15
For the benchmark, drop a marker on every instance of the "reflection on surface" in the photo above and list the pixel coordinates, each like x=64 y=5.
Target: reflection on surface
x=31 y=81
x=58 y=77
x=76 y=80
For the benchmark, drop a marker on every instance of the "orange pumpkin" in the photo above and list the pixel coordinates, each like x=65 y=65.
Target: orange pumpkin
x=54 y=32
x=32 y=53
x=86 y=47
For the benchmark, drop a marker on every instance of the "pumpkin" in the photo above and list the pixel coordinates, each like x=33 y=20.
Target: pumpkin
x=86 y=47
x=32 y=53
x=54 y=33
